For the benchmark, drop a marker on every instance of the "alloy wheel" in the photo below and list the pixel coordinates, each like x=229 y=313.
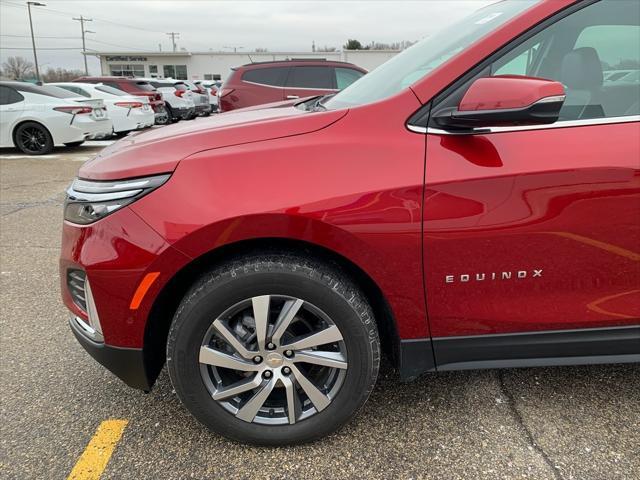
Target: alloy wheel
x=33 y=139
x=273 y=359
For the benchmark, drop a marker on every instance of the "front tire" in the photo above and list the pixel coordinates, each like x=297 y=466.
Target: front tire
x=273 y=349
x=33 y=138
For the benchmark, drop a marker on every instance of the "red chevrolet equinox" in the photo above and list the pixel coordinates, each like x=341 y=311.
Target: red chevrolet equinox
x=266 y=82
x=472 y=203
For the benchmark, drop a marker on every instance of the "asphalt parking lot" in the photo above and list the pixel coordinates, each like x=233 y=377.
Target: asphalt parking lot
x=551 y=423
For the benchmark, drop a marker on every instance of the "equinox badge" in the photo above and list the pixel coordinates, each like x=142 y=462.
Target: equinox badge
x=479 y=277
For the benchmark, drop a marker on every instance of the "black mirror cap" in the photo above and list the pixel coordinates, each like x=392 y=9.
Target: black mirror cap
x=542 y=112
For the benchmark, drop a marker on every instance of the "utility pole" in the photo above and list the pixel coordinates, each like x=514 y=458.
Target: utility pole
x=84 y=49
x=33 y=39
x=173 y=36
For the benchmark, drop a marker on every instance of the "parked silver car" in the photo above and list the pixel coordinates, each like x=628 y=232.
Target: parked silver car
x=200 y=98
x=180 y=104
x=211 y=86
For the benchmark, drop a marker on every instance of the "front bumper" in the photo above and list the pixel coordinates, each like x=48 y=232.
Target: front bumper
x=116 y=253
x=125 y=363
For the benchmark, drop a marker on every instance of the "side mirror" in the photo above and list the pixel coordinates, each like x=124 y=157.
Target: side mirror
x=505 y=100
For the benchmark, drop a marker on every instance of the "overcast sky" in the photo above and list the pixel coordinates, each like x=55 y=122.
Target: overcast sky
x=204 y=25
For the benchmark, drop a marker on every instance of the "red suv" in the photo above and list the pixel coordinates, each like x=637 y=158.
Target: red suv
x=473 y=203
x=266 y=82
x=140 y=88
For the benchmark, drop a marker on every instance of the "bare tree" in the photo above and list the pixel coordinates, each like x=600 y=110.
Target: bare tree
x=61 y=75
x=17 y=68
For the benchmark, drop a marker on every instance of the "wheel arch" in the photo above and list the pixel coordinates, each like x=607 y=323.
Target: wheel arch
x=169 y=298
x=24 y=120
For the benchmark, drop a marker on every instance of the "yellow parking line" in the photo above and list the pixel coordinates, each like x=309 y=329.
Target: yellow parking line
x=95 y=457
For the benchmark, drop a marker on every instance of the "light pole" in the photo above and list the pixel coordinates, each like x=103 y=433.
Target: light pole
x=84 y=49
x=33 y=39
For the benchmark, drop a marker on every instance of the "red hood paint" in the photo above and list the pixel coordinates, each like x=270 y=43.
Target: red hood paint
x=161 y=149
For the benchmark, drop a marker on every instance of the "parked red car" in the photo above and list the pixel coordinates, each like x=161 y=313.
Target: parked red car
x=472 y=203
x=266 y=82
x=133 y=86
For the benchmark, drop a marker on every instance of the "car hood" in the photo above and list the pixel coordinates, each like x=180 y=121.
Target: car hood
x=160 y=150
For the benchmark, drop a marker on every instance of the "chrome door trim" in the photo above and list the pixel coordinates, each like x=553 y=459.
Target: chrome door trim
x=564 y=124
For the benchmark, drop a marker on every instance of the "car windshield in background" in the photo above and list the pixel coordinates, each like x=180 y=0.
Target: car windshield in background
x=415 y=62
x=111 y=90
x=48 y=90
x=145 y=86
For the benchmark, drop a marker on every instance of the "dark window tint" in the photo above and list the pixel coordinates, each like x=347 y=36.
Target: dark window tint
x=9 y=96
x=311 y=77
x=346 y=76
x=161 y=84
x=275 y=76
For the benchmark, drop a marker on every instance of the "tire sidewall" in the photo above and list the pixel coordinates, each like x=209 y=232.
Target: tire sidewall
x=200 y=309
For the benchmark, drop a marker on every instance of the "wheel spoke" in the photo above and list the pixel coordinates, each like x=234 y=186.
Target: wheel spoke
x=219 y=359
x=261 y=317
x=328 y=335
x=232 y=340
x=319 y=399
x=238 y=388
x=318 y=357
x=294 y=408
x=287 y=314
x=250 y=409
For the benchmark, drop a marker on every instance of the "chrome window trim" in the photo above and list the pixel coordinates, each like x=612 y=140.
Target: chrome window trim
x=292 y=88
x=562 y=124
x=262 y=84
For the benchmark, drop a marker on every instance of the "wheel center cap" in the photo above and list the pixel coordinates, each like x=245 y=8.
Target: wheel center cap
x=274 y=360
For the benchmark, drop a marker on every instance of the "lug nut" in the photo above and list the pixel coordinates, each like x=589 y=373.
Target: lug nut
x=271 y=346
x=267 y=374
x=286 y=370
x=257 y=359
x=288 y=353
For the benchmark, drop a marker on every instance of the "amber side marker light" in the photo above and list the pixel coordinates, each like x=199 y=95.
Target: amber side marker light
x=142 y=289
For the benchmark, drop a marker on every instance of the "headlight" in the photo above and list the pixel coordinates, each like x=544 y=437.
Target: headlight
x=90 y=200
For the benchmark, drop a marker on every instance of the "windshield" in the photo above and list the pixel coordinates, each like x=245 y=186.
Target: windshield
x=411 y=65
x=111 y=90
x=145 y=86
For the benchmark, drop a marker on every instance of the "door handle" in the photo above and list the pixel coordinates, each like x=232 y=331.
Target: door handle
x=291 y=97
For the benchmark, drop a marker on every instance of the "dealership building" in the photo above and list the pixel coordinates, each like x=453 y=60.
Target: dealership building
x=185 y=65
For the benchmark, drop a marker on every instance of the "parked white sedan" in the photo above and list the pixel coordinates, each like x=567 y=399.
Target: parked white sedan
x=127 y=112
x=35 y=118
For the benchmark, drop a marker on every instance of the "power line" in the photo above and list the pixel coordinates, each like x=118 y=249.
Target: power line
x=37 y=36
x=121 y=46
x=62 y=12
x=39 y=48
